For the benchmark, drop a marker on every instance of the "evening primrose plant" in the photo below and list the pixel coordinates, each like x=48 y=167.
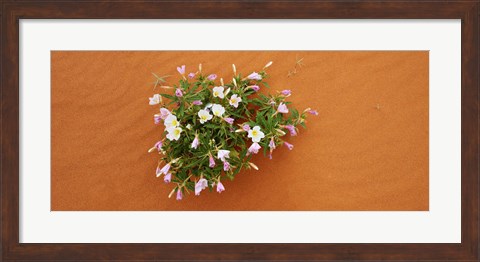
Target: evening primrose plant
x=212 y=128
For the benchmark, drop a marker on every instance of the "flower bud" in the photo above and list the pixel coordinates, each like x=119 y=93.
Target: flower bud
x=226 y=92
x=281 y=132
x=253 y=165
x=234 y=69
x=268 y=64
x=171 y=193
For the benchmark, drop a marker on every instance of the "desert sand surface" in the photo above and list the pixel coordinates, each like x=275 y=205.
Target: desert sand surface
x=367 y=150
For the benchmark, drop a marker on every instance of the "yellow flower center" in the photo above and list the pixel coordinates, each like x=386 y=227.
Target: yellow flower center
x=177 y=132
x=254 y=133
x=174 y=123
x=215 y=93
x=204 y=117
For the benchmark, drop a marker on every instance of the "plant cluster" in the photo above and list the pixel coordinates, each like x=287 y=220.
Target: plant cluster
x=212 y=128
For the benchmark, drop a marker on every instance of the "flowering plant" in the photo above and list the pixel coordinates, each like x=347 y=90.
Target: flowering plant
x=212 y=129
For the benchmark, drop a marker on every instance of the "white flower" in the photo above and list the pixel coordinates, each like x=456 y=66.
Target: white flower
x=189 y=126
x=204 y=116
x=234 y=100
x=155 y=99
x=218 y=110
x=171 y=121
x=255 y=134
x=218 y=91
x=173 y=133
x=222 y=154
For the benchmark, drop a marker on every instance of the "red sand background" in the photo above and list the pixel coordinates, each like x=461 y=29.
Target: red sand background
x=367 y=150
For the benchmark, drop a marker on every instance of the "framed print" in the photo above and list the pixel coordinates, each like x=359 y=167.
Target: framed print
x=240 y=130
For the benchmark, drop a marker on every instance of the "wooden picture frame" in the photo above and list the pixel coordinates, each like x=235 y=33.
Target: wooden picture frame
x=12 y=11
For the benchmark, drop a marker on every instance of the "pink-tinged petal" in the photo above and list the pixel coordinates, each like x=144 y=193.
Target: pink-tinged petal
x=226 y=166
x=254 y=76
x=282 y=108
x=200 y=185
x=179 y=194
x=178 y=92
x=167 y=178
x=253 y=149
x=157 y=119
x=246 y=127
x=181 y=69
x=212 y=77
x=313 y=112
x=289 y=146
x=158 y=145
x=229 y=120
x=272 y=144
x=222 y=154
x=291 y=128
x=165 y=169
x=211 y=162
x=220 y=187
x=286 y=92
x=191 y=75
x=197 y=102
x=195 y=142
x=255 y=88
x=164 y=113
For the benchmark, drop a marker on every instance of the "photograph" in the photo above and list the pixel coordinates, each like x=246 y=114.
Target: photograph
x=240 y=130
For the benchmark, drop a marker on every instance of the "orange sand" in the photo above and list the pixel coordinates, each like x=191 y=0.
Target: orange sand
x=368 y=149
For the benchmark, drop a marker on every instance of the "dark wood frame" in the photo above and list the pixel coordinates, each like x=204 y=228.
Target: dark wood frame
x=12 y=11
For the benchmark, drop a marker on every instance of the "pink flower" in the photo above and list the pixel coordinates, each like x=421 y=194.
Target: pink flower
x=292 y=130
x=253 y=149
x=191 y=75
x=246 y=127
x=229 y=120
x=201 y=185
x=271 y=144
x=164 y=113
x=179 y=194
x=313 y=112
x=282 y=108
x=158 y=145
x=286 y=92
x=255 y=88
x=195 y=142
x=197 y=102
x=178 y=92
x=157 y=119
x=290 y=146
x=164 y=170
x=226 y=166
x=211 y=162
x=254 y=76
x=212 y=77
x=220 y=187
x=167 y=178
x=222 y=154
x=181 y=69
